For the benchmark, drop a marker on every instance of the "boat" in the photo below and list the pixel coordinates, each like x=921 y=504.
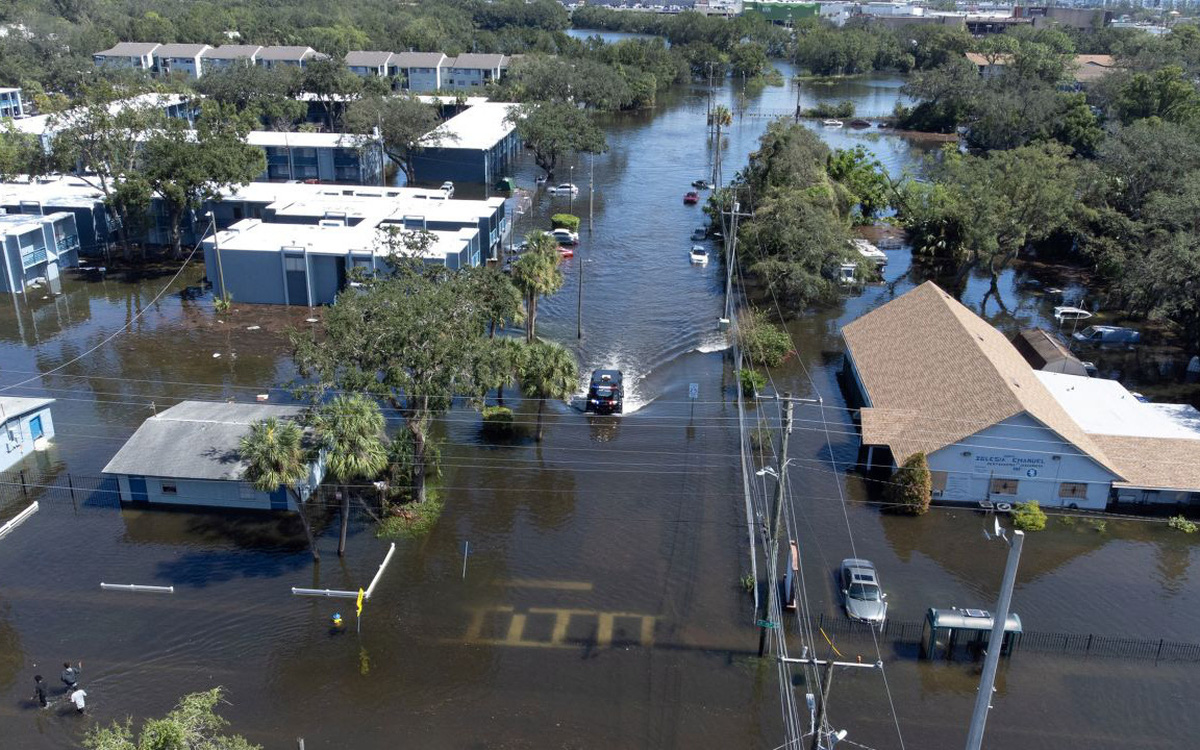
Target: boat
x=1067 y=312
x=698 y=255
x=691 y=198
x=832 y=123
x=870 y=252
x=702 y=184
x=699 y=233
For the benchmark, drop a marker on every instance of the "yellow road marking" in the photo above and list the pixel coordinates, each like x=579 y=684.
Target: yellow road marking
x=515 y=635
x=515 y=629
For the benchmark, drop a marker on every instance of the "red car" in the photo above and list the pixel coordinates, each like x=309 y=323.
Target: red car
x=691 y=198
x=565 y=252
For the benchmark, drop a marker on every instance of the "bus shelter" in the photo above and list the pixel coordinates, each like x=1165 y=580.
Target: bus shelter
x=948 y=633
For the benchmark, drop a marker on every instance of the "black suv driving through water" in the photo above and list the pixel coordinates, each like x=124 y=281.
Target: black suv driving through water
x=606 y=393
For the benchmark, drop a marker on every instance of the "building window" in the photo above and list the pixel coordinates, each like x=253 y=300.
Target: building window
x=170 y=488
x=1072 y=489
x=293 y=263
x=1004 y=487
x=938 y=480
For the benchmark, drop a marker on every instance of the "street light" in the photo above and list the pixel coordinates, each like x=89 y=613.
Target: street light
x=571 y=181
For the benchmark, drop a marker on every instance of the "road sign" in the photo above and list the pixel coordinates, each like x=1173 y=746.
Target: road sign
x=693 y=391
x=765 y=624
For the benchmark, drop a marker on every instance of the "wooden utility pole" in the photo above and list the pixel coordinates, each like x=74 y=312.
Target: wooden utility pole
x=826 y=683
x=777 y=517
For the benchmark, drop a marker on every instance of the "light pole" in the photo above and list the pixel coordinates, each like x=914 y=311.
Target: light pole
x=571 y=182
x=983 y=701
x=212 y=223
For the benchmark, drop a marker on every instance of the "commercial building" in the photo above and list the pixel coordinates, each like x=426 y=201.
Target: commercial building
x=934 y=378
x=180 y=59
x=189 y=455
x=35 y=249
x=11 y=104
x=129 y=55
x=324 y=157
x=25 y=427
x=475 y=145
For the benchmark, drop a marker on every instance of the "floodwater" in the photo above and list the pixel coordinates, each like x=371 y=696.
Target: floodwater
x=600 y=605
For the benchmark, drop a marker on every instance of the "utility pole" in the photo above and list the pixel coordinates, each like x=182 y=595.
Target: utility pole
x=983 y=701
x=776 y=516
x=826 y=683
x=591 y=195
x=730 y=254
x=579 y=302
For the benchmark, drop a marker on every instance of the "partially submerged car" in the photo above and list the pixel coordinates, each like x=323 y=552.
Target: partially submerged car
x=606 y=393
x=1107 y=335
x=862 y=596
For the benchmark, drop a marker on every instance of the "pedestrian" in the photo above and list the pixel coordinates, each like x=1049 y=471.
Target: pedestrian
x=70 y=675
x=77 y=697
x=39 y=691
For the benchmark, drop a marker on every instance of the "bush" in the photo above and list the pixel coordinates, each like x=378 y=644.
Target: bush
x=762 y=341
x=1029 y=516
x=565 y=221
x=1179 y=523
x=752 y=382
x=912 y=485
x=827 y=110
x=412 y=520
x=498 y=421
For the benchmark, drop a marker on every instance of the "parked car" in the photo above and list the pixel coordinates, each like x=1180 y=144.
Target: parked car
x=606 y=392
x=566 y=252
x=448 y=188
x=564 y=236
x=1108 y=335
x=564 y=189
x=861 y=594
x=702 y=184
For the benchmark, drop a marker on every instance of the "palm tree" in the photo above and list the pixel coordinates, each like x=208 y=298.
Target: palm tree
x=547 y=370
x=536 y=274
x=275 y=455
x=350 y=430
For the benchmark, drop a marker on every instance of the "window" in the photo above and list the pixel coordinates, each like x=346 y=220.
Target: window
x=293 y=263
x=1072 y=489
x=170 y=488
x=939 y=481
x=1004 y=487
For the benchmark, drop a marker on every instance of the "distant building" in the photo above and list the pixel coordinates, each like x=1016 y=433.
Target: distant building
x=422 y=71
x=378 y=64
x=222 y=57
x=783 y=12
x=25 y=426
x=130 y=55
x=36 y=249
x=11 y=104
x=472 y=70
x=180 y=59
x=188 y=455
x=933 y=377
x=1085 y=69
x=475 y=145
x=297 y=57
x=1082 y=19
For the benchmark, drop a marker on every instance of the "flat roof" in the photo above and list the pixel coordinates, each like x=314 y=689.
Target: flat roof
x=479 y=127
x=1105 y=407
x=41 y=123
x=17 y=406
x=10 y=223
x=56 y=191
x=307 y=140
x=253 y=235
x=8 y=89
x=194 y=440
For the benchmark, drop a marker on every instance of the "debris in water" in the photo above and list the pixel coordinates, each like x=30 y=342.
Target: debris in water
x=216 y=354
x=310 y=320
x=253 y=328
x=261 y=397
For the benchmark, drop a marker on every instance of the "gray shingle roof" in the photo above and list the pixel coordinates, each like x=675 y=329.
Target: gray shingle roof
x=180 y=50
x=418 y=59
x=476 y=61
x=130 y=49
x=194 y=440
x=366 y=59
x=286 y=53
x=232 y=52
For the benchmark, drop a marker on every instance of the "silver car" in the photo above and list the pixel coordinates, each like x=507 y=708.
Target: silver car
x=861 y=594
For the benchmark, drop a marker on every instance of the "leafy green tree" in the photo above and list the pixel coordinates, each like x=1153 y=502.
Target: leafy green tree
x=536 y=274
x=572 y=81
x=410 y=339
x=20 y=153
x=275 y=456
x=547 y=371
x=1166 y=93
x=866 y=183
x=406 y=124
x=946 y=96
x=186 y=168
x=912 y=486
x=749 y=59
x=192 y=725
x=270 y=95
x=498 y=296
x=1029 y=516
x=333 y=85
x=763 y=342
x=556 y=129
x=350 y=430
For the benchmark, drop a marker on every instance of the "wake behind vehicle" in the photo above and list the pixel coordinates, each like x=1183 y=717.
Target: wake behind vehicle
x=861 y=594
x=606 y=392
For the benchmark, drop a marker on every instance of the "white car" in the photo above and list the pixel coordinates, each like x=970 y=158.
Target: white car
x=448 y=188
x=565 y=236
x=564 y=189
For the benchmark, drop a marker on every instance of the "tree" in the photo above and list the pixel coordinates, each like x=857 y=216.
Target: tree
x=912 y=485
x=21 y=154
x=499 y=297
x=349 y=429
x=864 y=179
x=406 y=124
x=547 y=371
x=536 y=274
x=1167 y=94
x=592 y=83
x=333 y=85
x=276 y=456
x=410 y=339
x=556 y=129
x=270 y=95
x=186 y=168
x=192 y=725
x=749 y=59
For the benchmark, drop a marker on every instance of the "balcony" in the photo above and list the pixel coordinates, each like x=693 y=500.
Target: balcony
x=32 y=259
x=67 y=242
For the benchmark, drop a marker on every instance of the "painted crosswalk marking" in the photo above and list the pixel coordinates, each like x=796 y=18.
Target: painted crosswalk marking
x=524 y=628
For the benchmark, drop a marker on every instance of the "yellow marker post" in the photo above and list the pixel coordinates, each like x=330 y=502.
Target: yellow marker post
x=358 y=611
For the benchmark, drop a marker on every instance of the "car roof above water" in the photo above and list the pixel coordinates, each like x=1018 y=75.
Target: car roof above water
x=614 y=376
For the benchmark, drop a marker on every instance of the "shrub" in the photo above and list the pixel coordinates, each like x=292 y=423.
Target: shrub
x=1179 y=523
x=498 y=421
x=1029 y=516
x=565 y=221
x=762 y=341
x=223 y=303
x=752 y=382
x=412 y=520
x=912 y=485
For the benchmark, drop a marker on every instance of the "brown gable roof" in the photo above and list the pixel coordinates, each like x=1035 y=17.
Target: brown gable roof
x=936 y=373
x=1163 y=463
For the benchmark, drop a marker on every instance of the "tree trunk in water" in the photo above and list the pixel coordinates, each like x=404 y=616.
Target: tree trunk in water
x=531 y=320
x=176 y=235
x=418 y=474
x=541 y=406
x=312 y=544
x=500 y=395
x=345 y=520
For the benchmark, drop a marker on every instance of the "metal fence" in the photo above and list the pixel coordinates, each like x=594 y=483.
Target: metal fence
x=901 y=632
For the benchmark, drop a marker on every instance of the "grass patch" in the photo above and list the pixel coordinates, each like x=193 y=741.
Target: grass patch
x=413 y=520
x=1179 y=523
x=747 y=582
x=498 y=421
